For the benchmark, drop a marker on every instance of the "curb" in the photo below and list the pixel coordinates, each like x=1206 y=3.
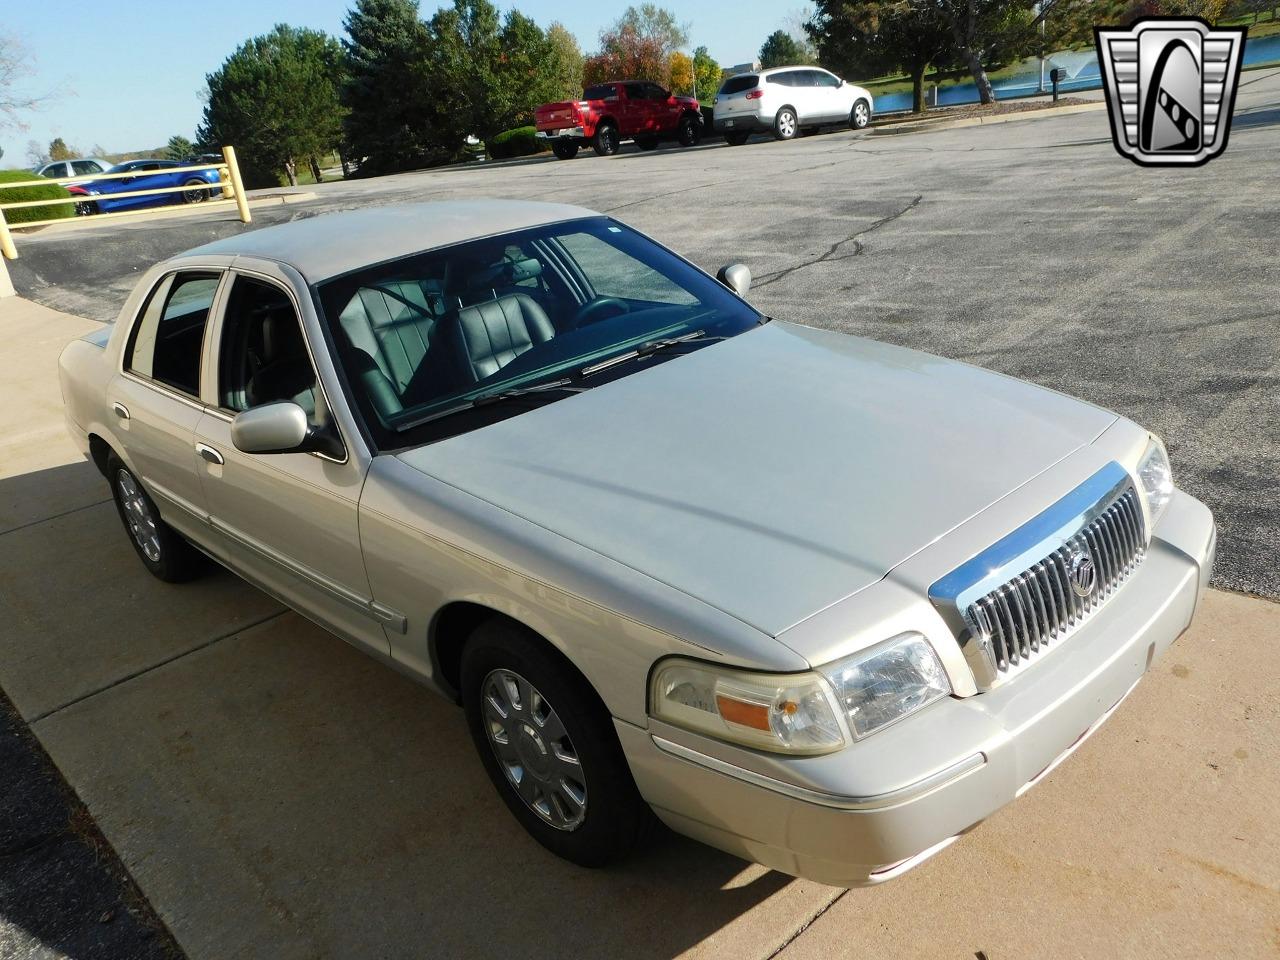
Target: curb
x=1047 y=113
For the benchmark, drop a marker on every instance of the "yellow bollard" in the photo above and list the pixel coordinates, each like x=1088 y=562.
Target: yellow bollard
x=233 y=168
x=6 y=240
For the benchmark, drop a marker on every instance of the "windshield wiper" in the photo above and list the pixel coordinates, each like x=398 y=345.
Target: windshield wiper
x=566 y=385
x=648 y=349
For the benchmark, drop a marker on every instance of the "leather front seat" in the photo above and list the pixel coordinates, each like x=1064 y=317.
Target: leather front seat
x=492 y=334
x=285 y=371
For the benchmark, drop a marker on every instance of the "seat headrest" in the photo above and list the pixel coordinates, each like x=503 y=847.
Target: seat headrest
x=281 y=336
x=517 y=271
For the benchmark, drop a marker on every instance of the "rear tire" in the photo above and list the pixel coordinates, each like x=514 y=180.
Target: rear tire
x=564 y=149
x=86 y=208
x=160 y=548
x=689 y=133
x=736 y=139
x=606 y=141
x=199 y=192
x=785 y=124
x=549 y=746
x=860 y=116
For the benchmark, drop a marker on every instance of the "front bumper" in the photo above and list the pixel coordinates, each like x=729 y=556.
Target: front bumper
x=983 y=751
x=565 y=133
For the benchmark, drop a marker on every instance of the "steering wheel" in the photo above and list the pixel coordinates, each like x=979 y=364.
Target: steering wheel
x=588 y=312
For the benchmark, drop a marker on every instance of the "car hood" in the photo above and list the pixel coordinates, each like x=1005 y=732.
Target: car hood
x=773 y=474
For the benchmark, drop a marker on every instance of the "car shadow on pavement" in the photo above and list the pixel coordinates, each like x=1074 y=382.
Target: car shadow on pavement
x=275 y=792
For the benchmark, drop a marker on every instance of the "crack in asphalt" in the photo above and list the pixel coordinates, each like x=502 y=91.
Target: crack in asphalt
x=663 y=196
x=829 y=256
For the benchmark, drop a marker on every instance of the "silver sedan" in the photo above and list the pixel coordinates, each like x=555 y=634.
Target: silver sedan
x=818 y=601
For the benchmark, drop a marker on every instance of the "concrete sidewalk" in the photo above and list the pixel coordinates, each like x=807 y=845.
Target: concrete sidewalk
x=275 y=793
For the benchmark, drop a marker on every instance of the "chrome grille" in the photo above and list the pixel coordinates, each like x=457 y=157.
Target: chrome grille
x=1040 y=605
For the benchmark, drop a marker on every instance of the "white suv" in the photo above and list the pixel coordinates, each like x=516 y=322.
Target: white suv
x=787 y=100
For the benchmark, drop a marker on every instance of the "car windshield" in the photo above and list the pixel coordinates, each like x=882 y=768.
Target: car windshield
x=428 y=342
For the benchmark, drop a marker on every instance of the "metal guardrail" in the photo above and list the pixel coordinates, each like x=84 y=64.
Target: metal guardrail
x=229 y=184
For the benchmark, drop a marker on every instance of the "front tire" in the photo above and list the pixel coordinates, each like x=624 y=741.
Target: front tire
x=564 y=149
x=606 y=140
x=549 y=747
x=689 y=133
x=785 y=124
x=162 y=550
x=860 y=116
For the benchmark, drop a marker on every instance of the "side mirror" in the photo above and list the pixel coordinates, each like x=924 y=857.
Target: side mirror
x=737 y=277
x=840 y=84
x=279 y=428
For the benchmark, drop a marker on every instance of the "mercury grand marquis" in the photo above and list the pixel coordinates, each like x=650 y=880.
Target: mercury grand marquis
x=815 y=600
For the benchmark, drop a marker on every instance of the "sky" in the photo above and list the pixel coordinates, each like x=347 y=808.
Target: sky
x=129 y=76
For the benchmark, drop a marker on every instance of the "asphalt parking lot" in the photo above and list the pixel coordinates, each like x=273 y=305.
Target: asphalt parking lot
x=275 y=793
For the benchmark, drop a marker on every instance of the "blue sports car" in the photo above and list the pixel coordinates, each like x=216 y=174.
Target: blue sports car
x=149 y=175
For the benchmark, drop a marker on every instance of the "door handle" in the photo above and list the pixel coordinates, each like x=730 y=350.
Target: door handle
x=121 y=410
x=209 y=454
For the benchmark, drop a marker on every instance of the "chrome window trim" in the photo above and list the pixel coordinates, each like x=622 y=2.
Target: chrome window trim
x=880 y=801
x=162 y=389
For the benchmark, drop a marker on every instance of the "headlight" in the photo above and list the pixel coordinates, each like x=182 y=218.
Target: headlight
x=802 y=713
x=785 y=712
x=888 y=682
x=1156 y=478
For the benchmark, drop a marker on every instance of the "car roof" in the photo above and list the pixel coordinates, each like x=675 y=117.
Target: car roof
x=772 y=70
x=331 y=244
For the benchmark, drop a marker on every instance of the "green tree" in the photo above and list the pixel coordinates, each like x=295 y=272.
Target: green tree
x=780 y=50
x=392 y=109
x=494 y=72
x=179 y=148
x=706 y=74
x=658 y=23
x=276 y=101
x=861 y=38
x=58 y=150
x=637 y=47
x=566 y=62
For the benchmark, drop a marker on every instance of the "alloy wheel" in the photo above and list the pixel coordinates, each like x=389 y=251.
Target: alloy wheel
x=534 y=749
x=193 y=196
x=138 y=516
x=787 y=124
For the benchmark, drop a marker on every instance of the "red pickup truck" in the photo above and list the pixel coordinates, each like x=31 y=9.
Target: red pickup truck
x=609 y=113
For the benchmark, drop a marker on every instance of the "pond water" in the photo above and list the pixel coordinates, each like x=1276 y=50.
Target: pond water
x=1025 y=83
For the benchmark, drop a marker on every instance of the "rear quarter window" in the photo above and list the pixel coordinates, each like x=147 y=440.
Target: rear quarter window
x=739 y=84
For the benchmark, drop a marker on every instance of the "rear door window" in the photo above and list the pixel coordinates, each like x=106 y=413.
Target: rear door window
x=603 y=91
x=166 y=342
